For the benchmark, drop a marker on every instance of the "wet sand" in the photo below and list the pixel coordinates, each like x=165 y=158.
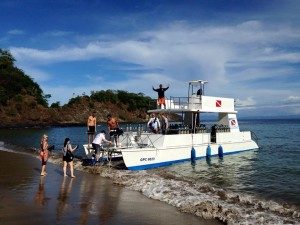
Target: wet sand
x=28 y=198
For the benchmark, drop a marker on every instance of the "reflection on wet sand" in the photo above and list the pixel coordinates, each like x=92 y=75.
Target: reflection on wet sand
x=108 y=206
x=63 y=197
x=87 y=192
x=94 y=201
x=40 y=197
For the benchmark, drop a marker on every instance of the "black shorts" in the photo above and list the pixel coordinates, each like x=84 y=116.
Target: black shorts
x=97 y=148
x=116 y=132
x=68 y=157
x=65 y=158
x=92 y=129
x=113 y=133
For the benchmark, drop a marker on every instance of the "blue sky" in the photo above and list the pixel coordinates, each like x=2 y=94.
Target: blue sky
x=247 y=49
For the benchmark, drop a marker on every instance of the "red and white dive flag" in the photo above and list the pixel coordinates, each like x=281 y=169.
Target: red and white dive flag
x=218 y=103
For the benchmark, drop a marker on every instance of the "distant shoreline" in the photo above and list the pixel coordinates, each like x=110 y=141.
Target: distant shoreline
x=20 y=126
x=17 y=126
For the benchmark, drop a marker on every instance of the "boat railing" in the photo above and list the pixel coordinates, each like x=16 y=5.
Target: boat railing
x=219 y=128
x=184 y=102
x=182 y=129
x=139 y=139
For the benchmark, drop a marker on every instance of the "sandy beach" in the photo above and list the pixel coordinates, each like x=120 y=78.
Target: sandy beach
x=28 y=198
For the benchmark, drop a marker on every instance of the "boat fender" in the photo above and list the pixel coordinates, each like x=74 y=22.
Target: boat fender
x=193 y=154
x=208 y=151
x=220 y=151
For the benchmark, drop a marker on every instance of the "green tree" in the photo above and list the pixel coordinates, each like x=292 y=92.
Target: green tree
x=55 y=105
x=14 y=81
x=6 y=59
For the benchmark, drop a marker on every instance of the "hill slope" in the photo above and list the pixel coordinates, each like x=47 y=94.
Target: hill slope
x=23 y=103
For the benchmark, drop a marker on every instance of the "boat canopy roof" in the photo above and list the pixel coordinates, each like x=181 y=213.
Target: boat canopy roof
x=197 y=102
x=193 y=82
x=170 y=110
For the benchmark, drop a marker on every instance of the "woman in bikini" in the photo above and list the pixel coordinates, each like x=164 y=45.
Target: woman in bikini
x=44 y=153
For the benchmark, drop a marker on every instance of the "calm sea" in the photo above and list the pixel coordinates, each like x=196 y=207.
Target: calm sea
x=254 y=186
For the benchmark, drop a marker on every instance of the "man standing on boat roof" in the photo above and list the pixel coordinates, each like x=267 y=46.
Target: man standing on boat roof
x=161 y=95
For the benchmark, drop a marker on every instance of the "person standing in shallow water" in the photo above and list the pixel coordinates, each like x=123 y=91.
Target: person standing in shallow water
x=44 y=153
x=161 y=95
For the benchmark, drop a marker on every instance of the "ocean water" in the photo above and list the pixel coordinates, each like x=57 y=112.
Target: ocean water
x=253 y=187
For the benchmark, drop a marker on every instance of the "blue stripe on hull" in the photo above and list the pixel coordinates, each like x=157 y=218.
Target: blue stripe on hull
x=161 y=164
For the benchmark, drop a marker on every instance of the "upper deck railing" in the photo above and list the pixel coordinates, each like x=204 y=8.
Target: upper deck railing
x=183 y=103
x=201 y=103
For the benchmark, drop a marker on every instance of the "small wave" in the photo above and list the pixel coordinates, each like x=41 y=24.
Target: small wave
x=4 y=148
x=204 y=200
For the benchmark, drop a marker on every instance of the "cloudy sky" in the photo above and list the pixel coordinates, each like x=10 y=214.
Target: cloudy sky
x=246 y=49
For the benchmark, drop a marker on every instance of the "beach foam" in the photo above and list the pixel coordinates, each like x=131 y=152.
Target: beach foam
x=203 y=200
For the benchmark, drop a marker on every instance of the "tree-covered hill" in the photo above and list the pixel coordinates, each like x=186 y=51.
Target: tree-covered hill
x=14 y=82
x=23 y=103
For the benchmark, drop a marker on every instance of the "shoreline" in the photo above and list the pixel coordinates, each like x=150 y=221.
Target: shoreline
x=55 y=175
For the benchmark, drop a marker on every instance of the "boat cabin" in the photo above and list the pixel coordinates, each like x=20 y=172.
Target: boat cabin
x=191 y=108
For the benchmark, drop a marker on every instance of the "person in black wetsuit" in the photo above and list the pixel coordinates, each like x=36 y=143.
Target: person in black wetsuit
x=161 y=95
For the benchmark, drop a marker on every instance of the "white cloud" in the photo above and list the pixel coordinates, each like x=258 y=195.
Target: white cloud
x=222 y=55
x=246 y=103
x=58 y=33
x=15 y=32
x=292 y=99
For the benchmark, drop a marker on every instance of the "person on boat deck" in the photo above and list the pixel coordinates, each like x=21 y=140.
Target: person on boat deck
x=161 y=95
x=154 y=124
x=199 y=92
x=113 y=129
x=164 y=123
x=91 y=126
x=68 y=157
x=97 y=143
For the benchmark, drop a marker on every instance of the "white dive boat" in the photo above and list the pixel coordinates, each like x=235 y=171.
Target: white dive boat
x=189 y=140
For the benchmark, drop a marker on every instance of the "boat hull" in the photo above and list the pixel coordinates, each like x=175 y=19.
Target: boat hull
x=170 y=149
